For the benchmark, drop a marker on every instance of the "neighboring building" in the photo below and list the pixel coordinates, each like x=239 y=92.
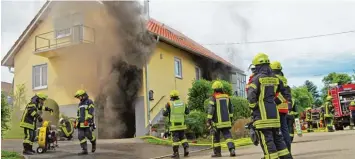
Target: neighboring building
x=6 y=88
x=46 y=57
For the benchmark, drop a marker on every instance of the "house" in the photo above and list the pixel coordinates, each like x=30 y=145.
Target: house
x=6 y=88
x=48 y=57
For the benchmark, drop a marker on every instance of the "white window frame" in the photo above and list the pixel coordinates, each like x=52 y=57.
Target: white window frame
x=63 y=33
x=199 y=73
x=180 y=67
x=41 y=85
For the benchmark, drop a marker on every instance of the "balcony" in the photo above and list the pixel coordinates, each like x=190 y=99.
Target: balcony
x=51 y=44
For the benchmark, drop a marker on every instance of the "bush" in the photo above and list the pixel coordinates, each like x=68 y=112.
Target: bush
x=195 y=122
x=241 y=108
x=5 y=114
x=200 y=91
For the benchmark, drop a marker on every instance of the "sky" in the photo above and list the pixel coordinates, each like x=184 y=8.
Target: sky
x=220 y=22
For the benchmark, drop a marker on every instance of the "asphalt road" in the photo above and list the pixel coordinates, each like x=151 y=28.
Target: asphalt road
x=339 y=145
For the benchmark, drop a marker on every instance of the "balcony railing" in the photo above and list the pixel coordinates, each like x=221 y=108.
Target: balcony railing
x=60 y=38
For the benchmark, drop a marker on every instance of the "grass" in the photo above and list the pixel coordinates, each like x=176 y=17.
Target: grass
x=16 y=132
x=200 y=142
x=10 y=155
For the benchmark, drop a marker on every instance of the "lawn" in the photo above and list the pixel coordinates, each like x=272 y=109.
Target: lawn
x=10 y=155
x=200 y=142
x=16 y=132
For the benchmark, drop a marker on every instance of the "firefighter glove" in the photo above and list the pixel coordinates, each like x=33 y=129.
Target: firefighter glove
x=40 y=119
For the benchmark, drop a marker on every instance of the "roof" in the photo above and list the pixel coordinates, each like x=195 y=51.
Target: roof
x=164 y=32
x=6 y=87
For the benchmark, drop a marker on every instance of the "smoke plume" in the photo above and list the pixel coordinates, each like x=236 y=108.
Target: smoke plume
x=126 y=47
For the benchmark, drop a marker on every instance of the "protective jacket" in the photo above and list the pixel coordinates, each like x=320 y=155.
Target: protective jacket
x=261 y=97
x=352 y=106
x=309 y=115
x=85 y=113
x=283 y=106
x=249 y=81
x=67 y=127
x=328 y=109
x=220 y=110
x=29 y=116
x=293 y=111
x=176 y=110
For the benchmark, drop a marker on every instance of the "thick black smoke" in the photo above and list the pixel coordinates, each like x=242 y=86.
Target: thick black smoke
x=126 y=32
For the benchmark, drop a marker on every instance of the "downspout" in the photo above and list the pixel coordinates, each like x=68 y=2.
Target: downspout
x=147 y=90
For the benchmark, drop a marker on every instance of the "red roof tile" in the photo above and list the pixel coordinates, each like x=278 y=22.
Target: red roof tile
x=182 y=40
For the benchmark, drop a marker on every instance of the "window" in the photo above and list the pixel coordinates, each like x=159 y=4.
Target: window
x=198 y=73
x=178 y=67
x=39 y=76
x=62 y=33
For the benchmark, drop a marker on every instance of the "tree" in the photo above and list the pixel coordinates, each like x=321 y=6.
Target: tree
x=340 y=78
x=302 y=97
x=241 y=107
x=5 y=114
x=311 y=88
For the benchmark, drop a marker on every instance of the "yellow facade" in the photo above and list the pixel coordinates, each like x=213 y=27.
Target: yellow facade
x=69 y=69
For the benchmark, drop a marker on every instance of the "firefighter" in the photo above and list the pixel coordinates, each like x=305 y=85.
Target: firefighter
x=328 y=114
x=352 y=112
x=252 y=68
x=261 y=96
x=84 y=121
x=176 y=110
x=321 y=117
x=283 y=106
x=66 y=127
x=29 y=119
x=309 y=119
x=291 y=121
x=219 y=119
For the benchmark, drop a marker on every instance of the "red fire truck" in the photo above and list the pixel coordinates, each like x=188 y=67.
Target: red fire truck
x=342 y=96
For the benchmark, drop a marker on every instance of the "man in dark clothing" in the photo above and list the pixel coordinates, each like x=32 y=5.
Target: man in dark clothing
x=85 y=120
x=220 y=117
x=261 y=96
x=176 y=110
x=29 y=119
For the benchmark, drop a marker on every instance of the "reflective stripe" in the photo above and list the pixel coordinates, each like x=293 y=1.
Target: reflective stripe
x=230 y=115
x=283 y=152
x=83 y=106
x=27 y=125
x=209 y=116
x=183 y=140
x=83 y=141
x=216 y=144
x=252 y=85
x=263 y=144
x=220 y=123
x=211 y=102
x=274 y=156
x=229 y=140
x=93 y=137
x=176 y=143
x=33 y=113
x=252 y=105
x=292 y=135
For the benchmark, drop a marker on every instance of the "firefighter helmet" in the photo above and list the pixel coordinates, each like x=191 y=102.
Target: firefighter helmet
x=217 y=85
x=174 y=93
x=80 y=92
x=329 y=98
x=41 y=96
x=276 y=65
x=260 y=58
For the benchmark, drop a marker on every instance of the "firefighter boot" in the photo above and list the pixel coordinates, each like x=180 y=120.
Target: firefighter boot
x=232 y=152
x=186 y=151
x=217 y=152
x=30 y=149
x=26 y=150
x=93 y=148
x=176 y=152
x=84 y=149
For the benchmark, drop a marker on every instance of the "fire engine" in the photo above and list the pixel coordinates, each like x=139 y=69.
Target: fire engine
x=342 y=96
